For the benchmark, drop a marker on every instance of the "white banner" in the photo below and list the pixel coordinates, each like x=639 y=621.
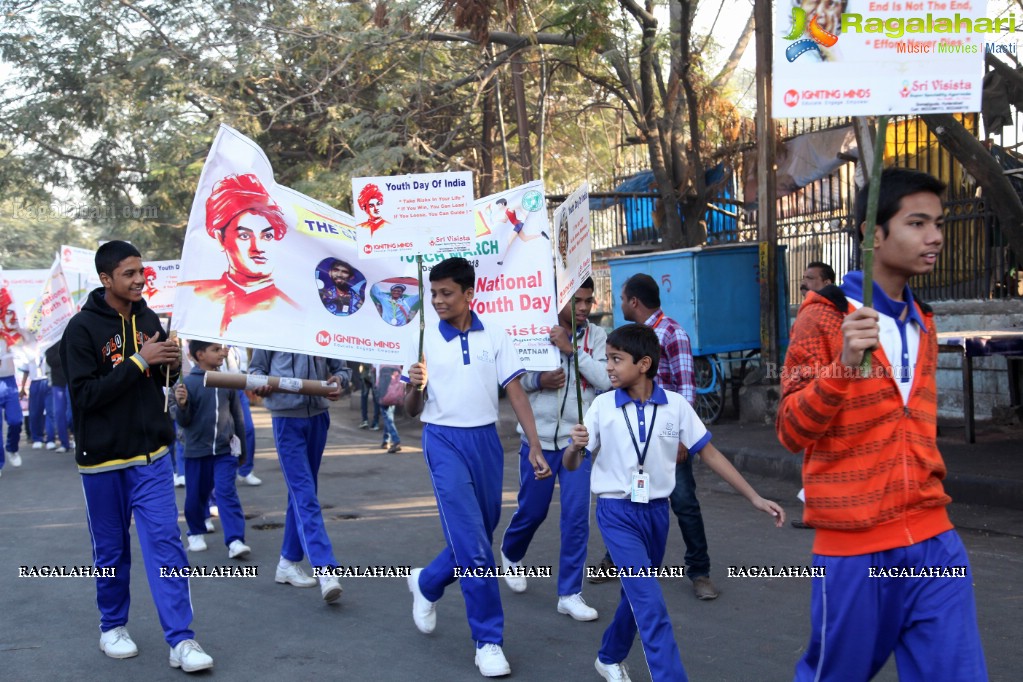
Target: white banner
x=54 y=309
x=79 y=267
x=11 y=317
x=161 y=280
x=573 y=258
x=862 y=57
x=24 y=286
x=264 y=266
x=514 y=277
x=413 y=214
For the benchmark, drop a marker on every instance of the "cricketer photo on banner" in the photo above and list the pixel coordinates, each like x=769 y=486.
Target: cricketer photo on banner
x=264 y=266
x=573 y=261
x=405 y=215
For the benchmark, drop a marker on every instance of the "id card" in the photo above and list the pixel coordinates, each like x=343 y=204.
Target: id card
x=641 y=487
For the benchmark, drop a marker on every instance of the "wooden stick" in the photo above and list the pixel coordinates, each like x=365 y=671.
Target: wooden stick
x=575 y=355
x=874 y=189
x=166 y=376
x=422 y=312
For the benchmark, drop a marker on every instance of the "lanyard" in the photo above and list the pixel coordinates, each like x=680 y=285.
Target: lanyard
x=653 y=418
x=657 y=321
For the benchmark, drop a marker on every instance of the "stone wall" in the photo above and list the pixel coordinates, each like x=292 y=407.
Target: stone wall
x=990 y=375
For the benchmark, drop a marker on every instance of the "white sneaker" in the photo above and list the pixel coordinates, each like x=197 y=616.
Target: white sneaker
x=330 y=589
x=517 y=583
x=574 y=605
x=250 y=479
x=491 y=661
x=14 y=458
x=612 y=672
x=51 y=445
x=117 y=643
x=61 y=449
x=238 y=550
x=214 y=511
x=37 y=445
x=209 y=526
x=424 y=611
x=179 y=481
x=190 y=657
x=292 y=574
x=196 y=543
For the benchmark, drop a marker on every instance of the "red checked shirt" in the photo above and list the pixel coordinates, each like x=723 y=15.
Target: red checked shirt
x=675 y=369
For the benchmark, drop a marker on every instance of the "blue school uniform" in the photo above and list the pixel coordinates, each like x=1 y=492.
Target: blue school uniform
x=466 y=462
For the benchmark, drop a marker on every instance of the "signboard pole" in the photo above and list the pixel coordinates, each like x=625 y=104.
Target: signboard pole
x=575 y=355
x=767 y=224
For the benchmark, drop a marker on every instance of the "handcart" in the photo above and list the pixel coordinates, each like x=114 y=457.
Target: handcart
x=714 y=293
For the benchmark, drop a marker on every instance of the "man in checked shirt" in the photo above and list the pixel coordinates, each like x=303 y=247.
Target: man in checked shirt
x=641 y=303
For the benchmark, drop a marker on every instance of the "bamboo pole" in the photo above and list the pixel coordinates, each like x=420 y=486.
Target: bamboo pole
x=873 y=190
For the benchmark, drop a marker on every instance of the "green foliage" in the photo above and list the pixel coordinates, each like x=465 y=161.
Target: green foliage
x=118 y=102
x=34 y=232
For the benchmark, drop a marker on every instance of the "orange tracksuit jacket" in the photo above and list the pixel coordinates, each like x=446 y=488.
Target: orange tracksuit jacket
x=871 y=466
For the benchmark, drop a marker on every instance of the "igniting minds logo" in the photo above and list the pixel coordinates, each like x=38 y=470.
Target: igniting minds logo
x=820 y=21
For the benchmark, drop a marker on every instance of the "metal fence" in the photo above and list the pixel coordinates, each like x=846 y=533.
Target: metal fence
x=815 y=222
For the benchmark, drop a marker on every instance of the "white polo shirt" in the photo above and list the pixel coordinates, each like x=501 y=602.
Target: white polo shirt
x=675 y=422
x=463 y=372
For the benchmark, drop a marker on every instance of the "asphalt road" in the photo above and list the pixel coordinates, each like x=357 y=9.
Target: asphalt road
x=380 y=511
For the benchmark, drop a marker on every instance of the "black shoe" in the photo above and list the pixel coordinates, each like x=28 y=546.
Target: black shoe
x=799 y=524
x=603 y=570
x=384 y=445
x=394 y=448
x=544 y=235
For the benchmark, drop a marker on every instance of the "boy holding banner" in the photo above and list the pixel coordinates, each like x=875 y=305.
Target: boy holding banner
x=300 y=424
x=552 y=398
x=464 y=454
x=214 y=427
x=896 y=575
x=117 y=358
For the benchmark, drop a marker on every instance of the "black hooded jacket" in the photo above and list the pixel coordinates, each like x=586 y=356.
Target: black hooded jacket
x=118 y=406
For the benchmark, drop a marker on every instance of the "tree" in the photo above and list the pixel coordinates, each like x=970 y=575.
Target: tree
x=34 y=232
x=626 y=58
x=118 y=102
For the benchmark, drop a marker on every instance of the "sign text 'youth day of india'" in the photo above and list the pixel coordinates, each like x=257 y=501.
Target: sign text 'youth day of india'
x=414 y=214
x=873 y=57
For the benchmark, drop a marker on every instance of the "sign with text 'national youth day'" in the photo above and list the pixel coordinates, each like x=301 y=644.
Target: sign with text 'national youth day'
x=414 y=214
x=870 y=57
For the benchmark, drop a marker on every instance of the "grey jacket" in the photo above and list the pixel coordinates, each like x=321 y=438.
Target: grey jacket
x=555 y=411
x=209 y=418
x=297 y=366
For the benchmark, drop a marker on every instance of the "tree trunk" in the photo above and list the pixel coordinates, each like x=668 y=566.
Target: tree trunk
x=522 y=118
x=487 y=138
x=999 y=193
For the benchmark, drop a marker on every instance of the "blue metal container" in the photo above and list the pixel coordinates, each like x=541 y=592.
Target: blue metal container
x=713 y=292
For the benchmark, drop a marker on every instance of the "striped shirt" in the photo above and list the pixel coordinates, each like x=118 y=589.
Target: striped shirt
x=675 y=368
